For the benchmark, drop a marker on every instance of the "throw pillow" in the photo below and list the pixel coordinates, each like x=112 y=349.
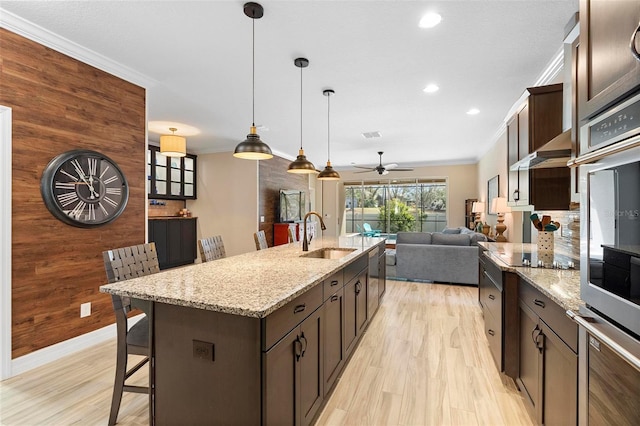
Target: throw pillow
x=450 y=239
x=451 y=231
x=413 y=238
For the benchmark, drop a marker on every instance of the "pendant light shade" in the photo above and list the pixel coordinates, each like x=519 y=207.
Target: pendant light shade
x=328 y=173
x=253 y=148
x=301 y=165
x=172 y=145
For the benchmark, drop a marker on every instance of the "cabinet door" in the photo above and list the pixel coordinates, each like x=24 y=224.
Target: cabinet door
x=188 y=229
x=609 y=70
x=523 y=131
x=159 y=234
x=382 y=275
x=174 y=242
x=560 y=381
x=373 y=290
x=362 y=311
x=350 y=329
x=333 y=338
x=281 y=381
x=512 y=157
x=311 y=368
x=530 y=360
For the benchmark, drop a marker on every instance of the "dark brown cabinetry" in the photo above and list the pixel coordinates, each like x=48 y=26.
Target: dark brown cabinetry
x=293 y=375
x=498 y=294
x=536 y=122
x=170 y=177
x=334 y=353
x=175 y=241
x=608 y=69
x=355 y=310
x=548 y=360
x=373 y=283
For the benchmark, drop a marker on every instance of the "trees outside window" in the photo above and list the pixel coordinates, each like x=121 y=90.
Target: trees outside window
x=393 y=206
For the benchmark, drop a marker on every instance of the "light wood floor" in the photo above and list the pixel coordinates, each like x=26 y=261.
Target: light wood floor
x=424 y=360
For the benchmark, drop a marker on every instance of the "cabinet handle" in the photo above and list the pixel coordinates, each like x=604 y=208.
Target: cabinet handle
x=632 y=43
x=334 y=282
x=358 y=287
x=334 y=297
x=297 y=347
x=534 y=335
x=539 y=302
x=492 y=297
x=516 y=195
x=303 y=341
x=491 y=332
x=540 y=341
x=299 y=308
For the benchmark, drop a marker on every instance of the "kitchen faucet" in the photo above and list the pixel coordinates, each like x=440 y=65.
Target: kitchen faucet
x=305 y=243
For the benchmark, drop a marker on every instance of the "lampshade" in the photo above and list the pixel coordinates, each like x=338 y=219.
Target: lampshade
x=328 y=173
x=253 y=148
x=301 y=165
x=172 y=145
x=477 y=207
x=499 y=205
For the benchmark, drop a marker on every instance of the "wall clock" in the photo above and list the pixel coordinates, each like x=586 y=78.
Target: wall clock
x=84 y=188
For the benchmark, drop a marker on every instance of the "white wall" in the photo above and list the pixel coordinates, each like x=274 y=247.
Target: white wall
x=227 y=203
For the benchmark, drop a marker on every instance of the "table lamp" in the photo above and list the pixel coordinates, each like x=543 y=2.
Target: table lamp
x=499 y=205
x=477 y=207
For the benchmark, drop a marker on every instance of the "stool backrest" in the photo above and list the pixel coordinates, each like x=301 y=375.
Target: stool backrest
x=261 y=240
x=211 y=248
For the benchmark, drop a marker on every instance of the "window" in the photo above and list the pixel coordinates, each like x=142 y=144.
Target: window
x=389 y=206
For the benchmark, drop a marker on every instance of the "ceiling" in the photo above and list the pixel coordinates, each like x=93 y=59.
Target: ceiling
x=194 y=58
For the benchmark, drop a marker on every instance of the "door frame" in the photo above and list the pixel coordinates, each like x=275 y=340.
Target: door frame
x=5 y=242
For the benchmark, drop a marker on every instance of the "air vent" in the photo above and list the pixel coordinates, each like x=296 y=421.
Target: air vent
x=371 y=135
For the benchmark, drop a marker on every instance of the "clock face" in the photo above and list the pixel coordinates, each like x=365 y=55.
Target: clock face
x=84 y=188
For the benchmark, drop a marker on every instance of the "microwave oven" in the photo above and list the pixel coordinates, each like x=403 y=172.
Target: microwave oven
x=610 y=236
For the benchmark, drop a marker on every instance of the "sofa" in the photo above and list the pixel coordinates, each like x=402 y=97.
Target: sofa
x=450 y=256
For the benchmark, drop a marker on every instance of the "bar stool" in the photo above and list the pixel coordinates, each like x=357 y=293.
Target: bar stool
x=211 y=248
x=123 y=264
x=261 y=240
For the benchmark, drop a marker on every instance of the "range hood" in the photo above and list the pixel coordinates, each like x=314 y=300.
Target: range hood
x=555 y=153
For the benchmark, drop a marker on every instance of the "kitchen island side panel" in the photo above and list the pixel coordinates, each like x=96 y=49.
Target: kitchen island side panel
x=192 y=384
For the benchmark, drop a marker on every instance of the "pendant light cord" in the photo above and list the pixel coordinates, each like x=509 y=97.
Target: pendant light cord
x=253 y=72
x=328 y=127
x=301 y=107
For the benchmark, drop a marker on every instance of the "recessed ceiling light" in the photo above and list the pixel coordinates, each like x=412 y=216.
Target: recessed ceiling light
x=430 y=20
x=473 y=111
x=431 y=88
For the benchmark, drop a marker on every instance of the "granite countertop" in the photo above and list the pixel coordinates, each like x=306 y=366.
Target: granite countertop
x=253 y=284
x=560 y=285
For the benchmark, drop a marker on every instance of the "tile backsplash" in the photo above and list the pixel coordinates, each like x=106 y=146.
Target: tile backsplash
x=567 y=238
x=164 y=208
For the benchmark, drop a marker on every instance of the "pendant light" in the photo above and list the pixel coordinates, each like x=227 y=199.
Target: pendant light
x=253 y=148
x=328 y=173
x=301 y=165
x=173 y=145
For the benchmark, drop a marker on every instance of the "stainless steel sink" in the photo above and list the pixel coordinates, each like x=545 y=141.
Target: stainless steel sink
x=329 y=253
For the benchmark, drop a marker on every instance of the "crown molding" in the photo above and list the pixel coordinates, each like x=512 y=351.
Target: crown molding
x=34 y=32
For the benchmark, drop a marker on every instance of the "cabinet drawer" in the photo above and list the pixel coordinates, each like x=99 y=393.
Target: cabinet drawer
x=332 y=284
x=492 y=299
x=354 y=268
x=551 y=313
x=280 y=322
x=493 y=331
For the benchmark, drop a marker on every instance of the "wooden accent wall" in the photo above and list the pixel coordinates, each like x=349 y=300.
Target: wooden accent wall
x=273 y=177
x=60 y=104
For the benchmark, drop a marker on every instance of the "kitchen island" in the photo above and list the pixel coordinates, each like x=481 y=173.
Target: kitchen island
x=258 y=338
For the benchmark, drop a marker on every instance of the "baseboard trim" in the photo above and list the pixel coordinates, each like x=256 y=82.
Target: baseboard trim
x=68 y=347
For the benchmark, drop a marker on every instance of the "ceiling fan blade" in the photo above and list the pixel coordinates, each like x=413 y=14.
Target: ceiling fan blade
x=401 y=169
x=366 y=171
x=363 y=167
x=391 y=166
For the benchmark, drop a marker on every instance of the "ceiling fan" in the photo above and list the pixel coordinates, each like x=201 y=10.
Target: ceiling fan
x=383 y=170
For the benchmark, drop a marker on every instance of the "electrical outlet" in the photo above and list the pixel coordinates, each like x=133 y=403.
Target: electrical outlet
x=203 y=350
x=85 y=309
x=261 y=219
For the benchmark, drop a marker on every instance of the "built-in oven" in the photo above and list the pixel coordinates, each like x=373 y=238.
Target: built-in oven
x=609 y=324
x=610 y=240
